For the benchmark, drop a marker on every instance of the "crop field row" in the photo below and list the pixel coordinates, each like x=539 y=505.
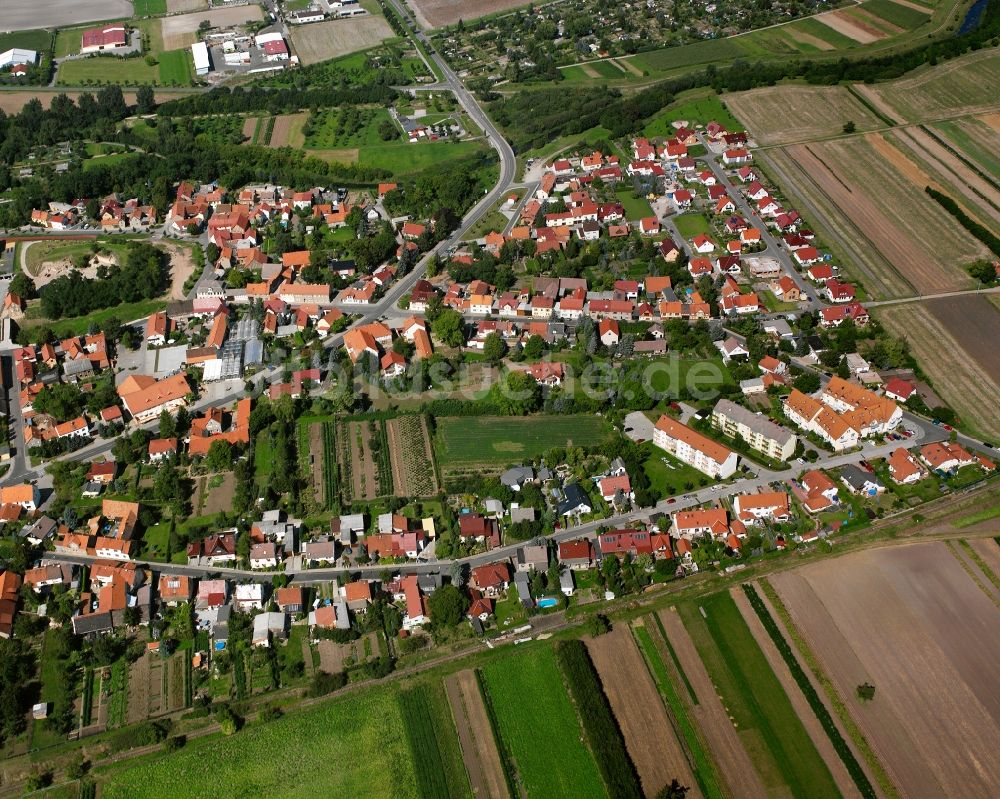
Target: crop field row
x=412 y=456
x=772 y=733
x=434 y=746
x=976 y=138
x=539 y=728
x=331 y=493
x=464 y=441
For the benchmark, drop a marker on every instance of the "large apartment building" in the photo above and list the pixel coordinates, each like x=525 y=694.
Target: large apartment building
x=763 y=435
x=694 y=449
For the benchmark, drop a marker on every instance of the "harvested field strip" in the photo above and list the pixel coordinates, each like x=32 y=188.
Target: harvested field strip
x=962 y=381
x=984 y=515
x=910 y=622
x=880 y=203
x=701 y=762
x=756 y=700
x=379 y=444
x=600 y=727
x=843 y=751
x=740 y=773
x=975 y=140
x=649 y=735
x=430 y=730
x=975 y=573
x=849 y=27
x=476 y=736
x=872 y=23
x=832 y=696
x=413 y=471
x=675 y=660
x=539 y=727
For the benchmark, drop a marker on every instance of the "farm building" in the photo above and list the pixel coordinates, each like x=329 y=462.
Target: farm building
x=202 y=62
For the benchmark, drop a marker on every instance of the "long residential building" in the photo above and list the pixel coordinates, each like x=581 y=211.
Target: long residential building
x=763 y=435
x=691 y=447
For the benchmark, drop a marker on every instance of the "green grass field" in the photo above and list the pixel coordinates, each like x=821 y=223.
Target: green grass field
x=404 y=158
x=692 y=224
x=497 y=440
x=175 y=67
x=690 y=55
x=903 y=16
x=355 y=746
x=771 y=731
x=969 y=136
x=38 y=40
x=673 y=479
x=434 y=745
x=147 y=8
x=696 y=110
x=540 y=728
x=635 y=207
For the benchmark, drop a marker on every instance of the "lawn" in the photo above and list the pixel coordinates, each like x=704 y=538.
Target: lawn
x=636 y=208
x=175 y=67
x=692 y=224
x=355 y=746
x=38 y=40
x=106 y=69
x=539 y=727
x=671 y=376
x=45 y=251
x=669 y=477
x=403 y=158
x=498 y=440
x=771 y=731
x=695 y=110
x=148 y=8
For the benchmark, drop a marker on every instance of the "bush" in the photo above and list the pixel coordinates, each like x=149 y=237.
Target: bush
x=324 y=683
x=599 y=723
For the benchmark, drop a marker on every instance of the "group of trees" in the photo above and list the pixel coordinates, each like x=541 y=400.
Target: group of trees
x=143 y=276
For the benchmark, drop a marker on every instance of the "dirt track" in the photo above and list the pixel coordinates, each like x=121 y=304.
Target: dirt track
x=479 y=750
x=910 y=621
x=637 y=706
x=725 y=745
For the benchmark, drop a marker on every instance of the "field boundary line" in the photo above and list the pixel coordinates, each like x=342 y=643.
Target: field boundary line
x=954 y=549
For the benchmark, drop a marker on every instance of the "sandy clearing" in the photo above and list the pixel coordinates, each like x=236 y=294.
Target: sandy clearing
x=848 y=27
x=437 y=13
x=181 y=268
x=909 y=620
x=479 y=749
x=181 y=31
x=734 y=765
x=636 y=703
x=967 y=182
x=18 y=15
x=805 y=713
x=808 y=38
x=322 y=41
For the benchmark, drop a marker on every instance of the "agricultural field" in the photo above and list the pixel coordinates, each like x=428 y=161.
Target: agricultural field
x=363 y=453
x=322 y=41
x=18 y=15
x=870 y=196
x=786 y=114
x=412 y=456
x=475 y=733
x=149 y=8
x=967 y=328
x=770 y=729
x=437 y=756
x=538 y=726
x=466 y=441
x=181 y=31
x=363 y=735
x=635 y=701
x=976 y=138
x=438 y=13
x=877 y=617
x=963 y=86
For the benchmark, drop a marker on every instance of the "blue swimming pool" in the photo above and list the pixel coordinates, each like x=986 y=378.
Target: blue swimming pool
x=547 y=602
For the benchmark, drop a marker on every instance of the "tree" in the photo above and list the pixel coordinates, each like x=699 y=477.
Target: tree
x=22 y=286
x=673 y=791
x=807 y=382
x=168 y=427
x=598 y=624
x=849 y=127
x=62 y=400
x=229 y=722
x=449 y=328
x=494 y=348
x=534 y=348
x=447 y=606
x=866 y=692
x=219 y=457
x=145 y=101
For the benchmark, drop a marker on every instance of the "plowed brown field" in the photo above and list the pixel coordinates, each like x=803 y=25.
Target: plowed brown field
x=910 y=621
x=637 y=706
x=479 y=749
x=437 y=13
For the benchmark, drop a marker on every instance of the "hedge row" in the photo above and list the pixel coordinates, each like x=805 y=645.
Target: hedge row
x=981 y=232
x=599 y=725
x=825 y=719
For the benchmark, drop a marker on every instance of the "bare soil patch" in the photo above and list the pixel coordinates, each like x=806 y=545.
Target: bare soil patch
x=181 y=31
x=284 y=127
x=851 y=28
x=873 y=23
x=808 y=38
x=343 y=155
x=332 y=655
x=914 y=6
x=249 y=126
x=993 y=120
x=637 y=706
x=438 y=13
x=316 y=456
x=479 y=749
x=989 y=552
x=322 y=41
x=815 y=730
x=727 y=749
x=138 y=690
x=964 y=382
x=220 y=498
x=182 y=266
x=17 y=15
x=364 y=473
x=910 y=621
